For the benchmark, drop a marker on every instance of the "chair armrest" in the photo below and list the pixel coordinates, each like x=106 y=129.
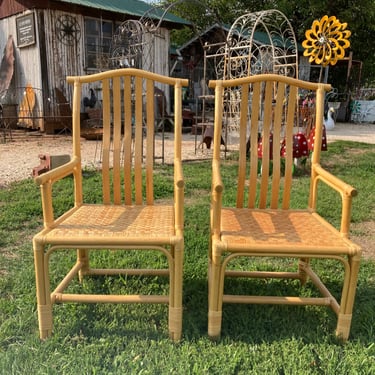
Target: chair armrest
x=216 y=198
x=217 y=183
x=346 y=191
x=58 y=173
x=334 y=181
x=46 y=180
x=179 y=194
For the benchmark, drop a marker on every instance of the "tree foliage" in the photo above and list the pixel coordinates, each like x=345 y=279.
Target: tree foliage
x=360 y=16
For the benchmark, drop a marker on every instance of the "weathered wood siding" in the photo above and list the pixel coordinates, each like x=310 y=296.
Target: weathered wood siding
x=156 y=57
x=46 y=63
x=26 y=69
x=62 y=59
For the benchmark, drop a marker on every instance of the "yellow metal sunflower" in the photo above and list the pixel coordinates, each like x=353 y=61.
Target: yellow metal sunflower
x=326 y=41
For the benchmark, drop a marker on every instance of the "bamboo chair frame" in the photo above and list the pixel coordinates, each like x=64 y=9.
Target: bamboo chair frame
x=262 y=224
x=128 y=218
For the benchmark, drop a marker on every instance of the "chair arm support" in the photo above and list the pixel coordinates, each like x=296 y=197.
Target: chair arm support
x=346 y=191
x=178 y=175
x=217 y=183
x=46 y=180
x=179 y=194
x=216 y=198
x=57 y=173
x=333 y=181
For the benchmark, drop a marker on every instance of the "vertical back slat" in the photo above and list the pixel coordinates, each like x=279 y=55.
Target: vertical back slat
x=128 y=130
x=116 y=94
x=254 y=130
x=242 y=154
x=219 y=97
x=76 y=122
x=267 y=116
x=106 y=141
x=177 y=120
x=319 y=103
x=178 y=173
x=138 y=142
x=277 y=121
x=290 y=116
x=150 y=115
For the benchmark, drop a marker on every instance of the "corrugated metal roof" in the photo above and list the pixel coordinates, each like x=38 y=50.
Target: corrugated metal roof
x=132 y=7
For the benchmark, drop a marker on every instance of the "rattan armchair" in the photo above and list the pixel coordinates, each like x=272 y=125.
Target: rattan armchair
x=128 y=218
x=261 y=221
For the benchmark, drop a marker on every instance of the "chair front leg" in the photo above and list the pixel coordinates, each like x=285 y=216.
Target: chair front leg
x=215 y=286
x=43 y=293
x=347 y=300
x=175 y=304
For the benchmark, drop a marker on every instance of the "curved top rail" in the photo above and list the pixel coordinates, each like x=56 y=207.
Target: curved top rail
x=270 y=77
x=127 y=72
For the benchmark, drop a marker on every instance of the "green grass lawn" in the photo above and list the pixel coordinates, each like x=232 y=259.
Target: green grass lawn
x=133 y=339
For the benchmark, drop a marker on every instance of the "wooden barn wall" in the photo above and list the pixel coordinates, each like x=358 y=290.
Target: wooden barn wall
x=26 y=68
x=156 y=56
x=161 y=47
x=61 y=59
x=46 y=63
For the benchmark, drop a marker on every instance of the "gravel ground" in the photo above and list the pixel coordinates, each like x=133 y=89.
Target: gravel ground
x=21 y=155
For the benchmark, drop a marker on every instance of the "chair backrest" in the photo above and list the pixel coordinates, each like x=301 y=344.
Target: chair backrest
x=268 y=123
x=128 y=117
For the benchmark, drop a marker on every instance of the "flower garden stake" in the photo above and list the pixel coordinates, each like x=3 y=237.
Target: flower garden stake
x=326 y=42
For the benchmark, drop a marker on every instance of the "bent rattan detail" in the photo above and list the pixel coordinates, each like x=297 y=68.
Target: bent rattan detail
x=261 y=222
x=128 y=218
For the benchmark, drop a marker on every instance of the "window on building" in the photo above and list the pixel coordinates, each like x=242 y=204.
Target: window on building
x=98 y=37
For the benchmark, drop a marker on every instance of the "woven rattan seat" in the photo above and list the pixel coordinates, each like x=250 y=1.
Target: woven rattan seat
x=103 y=224
x=280 y=230
x=261 y=221
x=128 y=218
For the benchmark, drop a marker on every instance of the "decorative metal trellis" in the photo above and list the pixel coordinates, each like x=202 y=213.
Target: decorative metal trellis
x=128 y=45
x=260 y=42
x=133 y=44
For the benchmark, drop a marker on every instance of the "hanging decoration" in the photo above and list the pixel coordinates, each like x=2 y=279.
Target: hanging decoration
x=326 y=41
x=68 y=30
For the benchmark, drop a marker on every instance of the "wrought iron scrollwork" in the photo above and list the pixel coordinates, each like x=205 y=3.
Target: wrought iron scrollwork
x=68 y=30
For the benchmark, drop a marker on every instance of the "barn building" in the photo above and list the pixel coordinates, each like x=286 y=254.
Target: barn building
x=46 y=40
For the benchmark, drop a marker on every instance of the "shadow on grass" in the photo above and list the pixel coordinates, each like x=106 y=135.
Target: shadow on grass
x=257 y=324
x=251 y=324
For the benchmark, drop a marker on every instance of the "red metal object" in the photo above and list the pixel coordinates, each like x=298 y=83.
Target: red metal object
x=45 y=165
x=48 y=162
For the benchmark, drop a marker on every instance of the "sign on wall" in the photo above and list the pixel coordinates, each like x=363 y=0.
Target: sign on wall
x=25 y=30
